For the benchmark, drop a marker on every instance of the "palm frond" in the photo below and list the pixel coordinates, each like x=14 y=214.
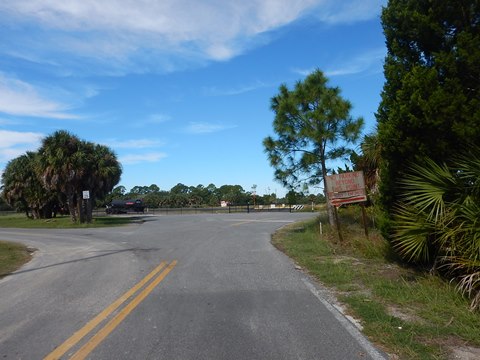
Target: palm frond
x=427 y=186
x=438 y=220
x=412 y=237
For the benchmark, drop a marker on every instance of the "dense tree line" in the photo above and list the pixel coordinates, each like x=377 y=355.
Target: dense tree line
x=54 y=178
x=204 y=196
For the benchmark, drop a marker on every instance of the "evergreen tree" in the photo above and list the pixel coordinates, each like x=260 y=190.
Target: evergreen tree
x=431 y=99
x=314 y=125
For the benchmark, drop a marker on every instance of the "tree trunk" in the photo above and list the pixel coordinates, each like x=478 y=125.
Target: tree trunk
x=25 y=205
x=89 y=209
x=81 y=209
x=71 y=207
x=35 y=213
x=330 y=209
x=46 y=211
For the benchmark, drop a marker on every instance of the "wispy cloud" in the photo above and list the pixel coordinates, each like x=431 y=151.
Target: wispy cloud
x=215 y=91
x=134 y=143
x=131 y=159
x=370 y=61
x=304 y=72
x=158 y=118
x=16 y=143
x=206 y=128
x=151 y=120
x=349 y=11
x=121 y=36
x=4 y=121
x=20 y=98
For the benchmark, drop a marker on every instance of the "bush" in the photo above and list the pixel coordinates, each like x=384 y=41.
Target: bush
x=438 y=219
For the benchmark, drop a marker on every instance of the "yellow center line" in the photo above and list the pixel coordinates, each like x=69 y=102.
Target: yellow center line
x=80 y=334
x=112 y=324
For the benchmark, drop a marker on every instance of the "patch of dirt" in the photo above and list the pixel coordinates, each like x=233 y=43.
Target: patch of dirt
x=340 y=259
x=403 y=314
x=465 y=353
x=457 y=349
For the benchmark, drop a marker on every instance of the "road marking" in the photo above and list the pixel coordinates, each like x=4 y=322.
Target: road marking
x=80 y=334
x=243 y=222
x=112 y=324
x=260 y=221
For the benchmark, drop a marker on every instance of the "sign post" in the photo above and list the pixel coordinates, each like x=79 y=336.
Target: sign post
x=86 y=205
x=346 y=188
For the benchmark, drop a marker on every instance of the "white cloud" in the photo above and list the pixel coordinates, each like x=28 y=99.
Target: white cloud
x=214 y=91
x=23 y=99
x=370 y=61
x=140 y=35
x=158 y=118
x=16 y=143
x=131 y=159
x=351 y=11
x=134 y=143
x=303 y=72
x=4 y=121
x=206 y=128
x=151 y=120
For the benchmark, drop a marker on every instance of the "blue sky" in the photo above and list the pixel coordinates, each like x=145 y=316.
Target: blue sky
x=179 y=89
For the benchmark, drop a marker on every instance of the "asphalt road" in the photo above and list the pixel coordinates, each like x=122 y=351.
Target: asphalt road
x=173 y=287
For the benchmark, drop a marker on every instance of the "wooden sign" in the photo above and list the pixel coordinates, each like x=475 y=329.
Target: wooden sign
x=346 y=188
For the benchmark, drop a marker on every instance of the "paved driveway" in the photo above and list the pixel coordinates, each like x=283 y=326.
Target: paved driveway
x=172 y=287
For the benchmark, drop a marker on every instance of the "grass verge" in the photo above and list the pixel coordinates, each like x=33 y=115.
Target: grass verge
x=62 y=222
x=411 y=314
x=12 y=256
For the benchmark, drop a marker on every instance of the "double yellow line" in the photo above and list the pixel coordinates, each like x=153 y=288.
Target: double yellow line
x=96 y=339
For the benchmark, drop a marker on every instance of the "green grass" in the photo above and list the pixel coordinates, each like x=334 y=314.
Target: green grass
x=12 y=256
x=61 y=222
x=407 y=312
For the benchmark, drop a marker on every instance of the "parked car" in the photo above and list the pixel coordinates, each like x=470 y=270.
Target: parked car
x=125 y=206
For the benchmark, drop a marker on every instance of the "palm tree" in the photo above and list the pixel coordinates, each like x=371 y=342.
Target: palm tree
x=13 y=180
x=21 y=184
x=62 y=166
x=438 y=223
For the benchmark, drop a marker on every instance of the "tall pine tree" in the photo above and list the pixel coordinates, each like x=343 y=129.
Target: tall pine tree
x=431 y=99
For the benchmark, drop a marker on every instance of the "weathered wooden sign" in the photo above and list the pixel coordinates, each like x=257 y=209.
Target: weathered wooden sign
x=346 y=188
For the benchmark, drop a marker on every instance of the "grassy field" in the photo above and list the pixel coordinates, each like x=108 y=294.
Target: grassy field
x=62 y=222
x=12 y=256
x=409 y=313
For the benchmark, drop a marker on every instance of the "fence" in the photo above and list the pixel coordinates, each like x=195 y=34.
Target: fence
x=205 y=210
x=188 y=211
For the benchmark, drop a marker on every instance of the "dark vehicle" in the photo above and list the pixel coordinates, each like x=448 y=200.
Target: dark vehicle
x=125 y=206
